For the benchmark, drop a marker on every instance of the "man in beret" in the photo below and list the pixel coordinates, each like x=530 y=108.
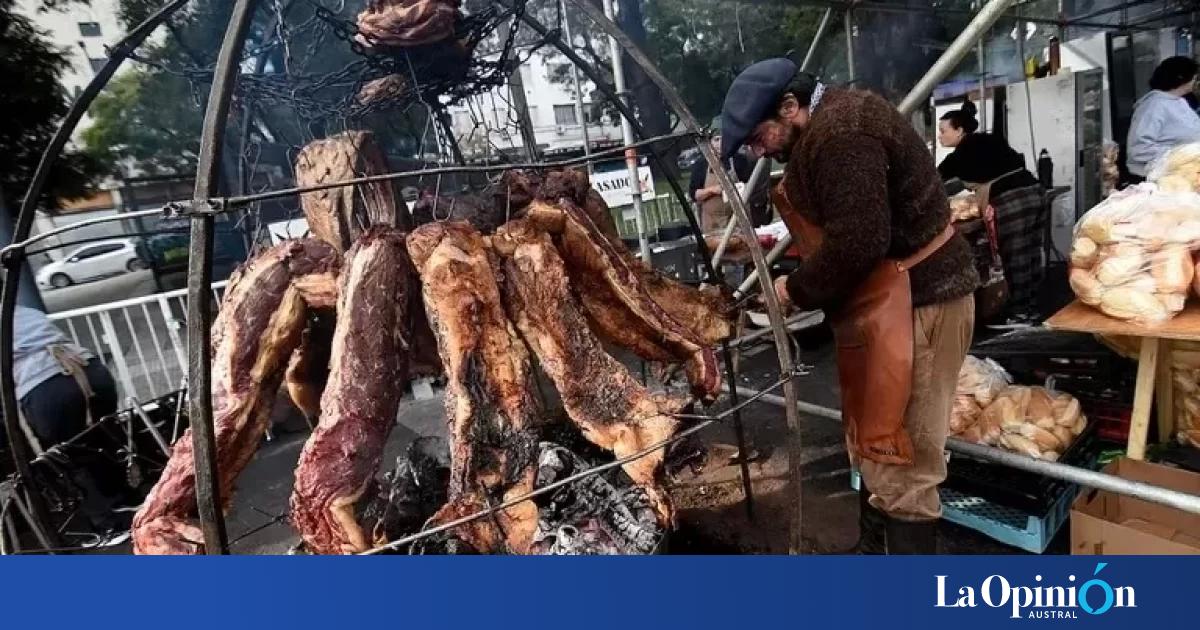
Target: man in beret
x=867 y=209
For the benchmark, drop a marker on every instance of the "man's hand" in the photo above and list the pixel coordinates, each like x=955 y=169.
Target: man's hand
x=781 y=292
x=704 y=194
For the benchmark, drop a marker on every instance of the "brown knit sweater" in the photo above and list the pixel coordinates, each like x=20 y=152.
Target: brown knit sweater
x=862 y=175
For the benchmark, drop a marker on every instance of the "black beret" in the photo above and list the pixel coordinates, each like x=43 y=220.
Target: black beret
x=754 y=93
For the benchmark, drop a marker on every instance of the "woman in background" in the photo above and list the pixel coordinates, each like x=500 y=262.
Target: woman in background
x=997 y=172
x=1162 y=119
x=954 y=127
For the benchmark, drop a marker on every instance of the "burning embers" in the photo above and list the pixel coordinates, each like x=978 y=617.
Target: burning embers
x=601 y=514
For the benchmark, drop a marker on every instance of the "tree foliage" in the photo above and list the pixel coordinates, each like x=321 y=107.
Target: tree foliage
x=32 y=103
x=702 y=45
x=148 y=119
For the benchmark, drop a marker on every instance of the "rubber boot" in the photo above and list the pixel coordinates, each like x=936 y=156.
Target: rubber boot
x=908 y=538
x=871 y=526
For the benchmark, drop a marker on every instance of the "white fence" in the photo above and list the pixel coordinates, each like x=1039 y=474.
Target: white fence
x=663 y=210
x=142 y=341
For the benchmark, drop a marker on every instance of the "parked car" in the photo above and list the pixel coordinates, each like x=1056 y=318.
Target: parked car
x=688 y=158
x=92 y=261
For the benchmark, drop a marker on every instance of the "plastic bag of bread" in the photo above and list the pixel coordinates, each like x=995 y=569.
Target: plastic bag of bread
x=983 y=379
x=1132 y=255
x=1177 y=170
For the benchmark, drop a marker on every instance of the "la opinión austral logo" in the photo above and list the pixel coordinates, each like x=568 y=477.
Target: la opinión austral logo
x=1039 y=601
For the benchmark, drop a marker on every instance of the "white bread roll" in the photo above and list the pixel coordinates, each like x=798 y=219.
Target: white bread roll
x=1173 y=302
x=1084 y=253
x=1043 y=438
x=1020 y=444
x=1087 y=288
x=1117 y=270
x=1133 y=305
x=1064 y=435
x=1172 y=269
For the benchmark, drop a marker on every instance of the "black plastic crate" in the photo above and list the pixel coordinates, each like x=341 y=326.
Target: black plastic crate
x=1077 y=361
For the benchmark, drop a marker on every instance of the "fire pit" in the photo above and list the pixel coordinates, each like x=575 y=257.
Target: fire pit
x=605 y=514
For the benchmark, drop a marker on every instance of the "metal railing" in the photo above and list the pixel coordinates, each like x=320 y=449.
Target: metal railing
x=142 y=341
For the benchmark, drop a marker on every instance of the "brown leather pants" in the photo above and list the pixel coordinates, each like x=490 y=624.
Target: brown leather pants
x=941 y=337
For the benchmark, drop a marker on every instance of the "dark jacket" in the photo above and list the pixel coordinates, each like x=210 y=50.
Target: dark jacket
x=862 y=175
x=760 y=212
x=979 y=158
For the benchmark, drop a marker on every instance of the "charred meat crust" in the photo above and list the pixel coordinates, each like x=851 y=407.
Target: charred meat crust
x=614 y=411
x=594 y=261
x=490 y=406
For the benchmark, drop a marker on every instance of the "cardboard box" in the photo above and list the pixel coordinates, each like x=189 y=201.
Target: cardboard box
x=1107 y=523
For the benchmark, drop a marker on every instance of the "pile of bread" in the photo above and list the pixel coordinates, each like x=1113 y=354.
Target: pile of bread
x=1033 y=421
x=964 y=207
x=1132 y=256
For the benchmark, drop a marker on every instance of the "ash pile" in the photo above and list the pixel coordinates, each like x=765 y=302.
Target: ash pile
x=601 y=514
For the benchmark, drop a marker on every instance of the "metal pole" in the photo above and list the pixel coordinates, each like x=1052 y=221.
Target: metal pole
x=154 y=432
x=950 y=59
x=849 y=16
x=772 y=256
x=761 y=169
x=983 y=126
x=1154 y=494
x=8 y=295
x=204 y=447
x=812 y=47
x=579 y=113
x=774 y=312
x=635 y=183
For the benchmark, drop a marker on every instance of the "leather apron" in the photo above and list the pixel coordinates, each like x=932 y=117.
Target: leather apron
x=873 y=330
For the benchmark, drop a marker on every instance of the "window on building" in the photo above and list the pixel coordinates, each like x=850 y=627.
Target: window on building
x=97 y=64
x=565 y=115
x=89 y=29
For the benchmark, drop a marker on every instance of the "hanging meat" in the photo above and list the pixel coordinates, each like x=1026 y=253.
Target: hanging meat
x=482 y=213
x=539 y=265
x=262 y=318
x=617 y=302
x=405 y=23
x=339 y=215
x=368 y=372
x=490 y=406
x=614 y=411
